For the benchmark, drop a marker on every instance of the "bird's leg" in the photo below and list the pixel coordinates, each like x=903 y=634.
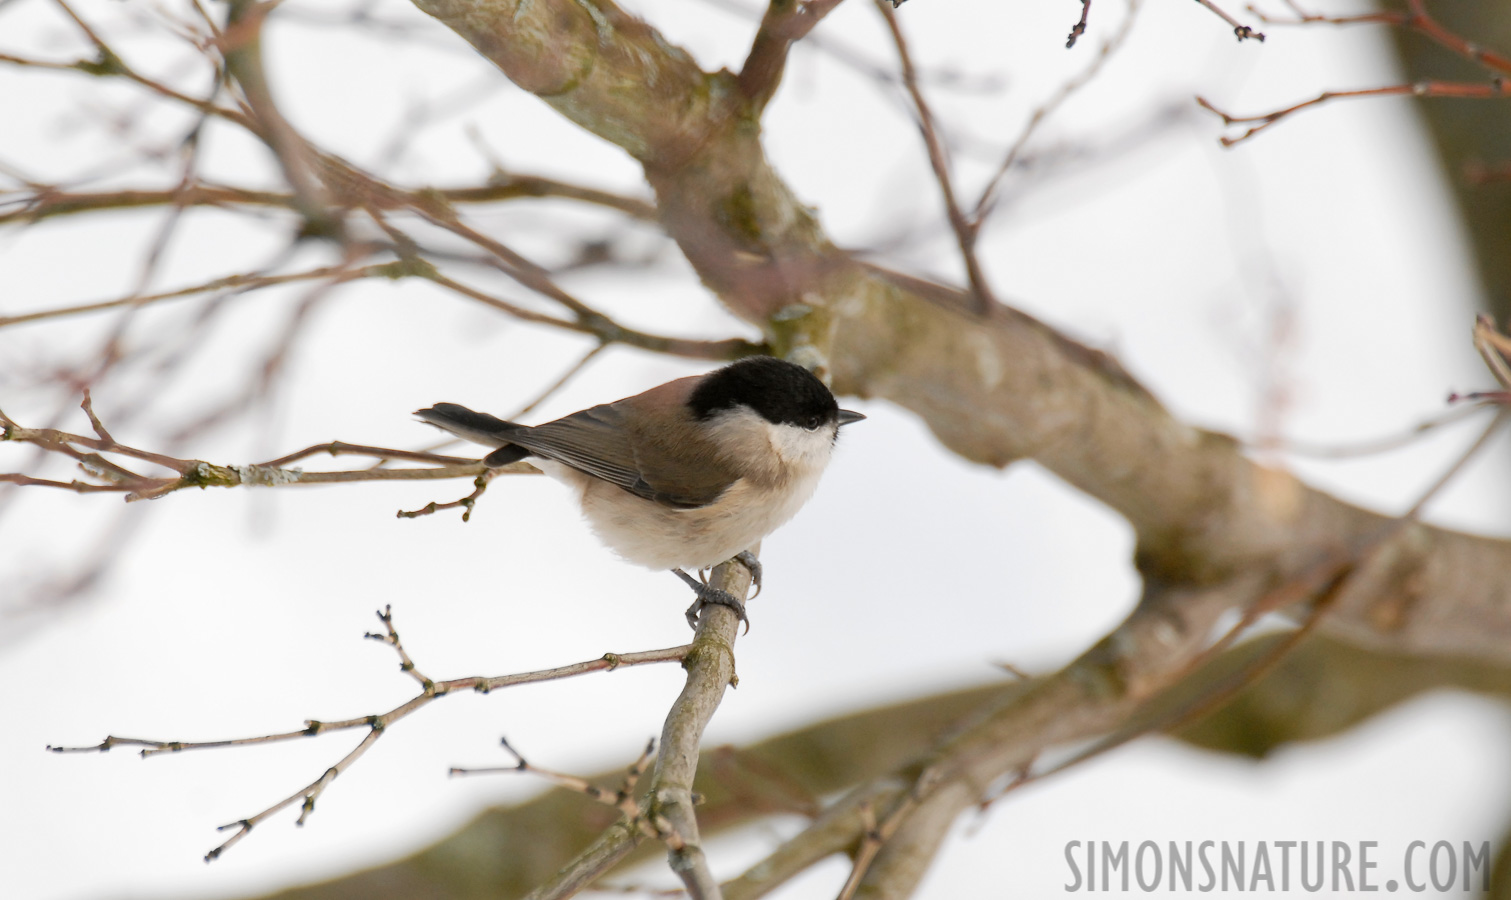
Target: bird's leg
x=710 y=595
x=749 y=561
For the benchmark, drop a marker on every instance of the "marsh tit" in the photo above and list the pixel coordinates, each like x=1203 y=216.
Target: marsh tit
x=688 y=474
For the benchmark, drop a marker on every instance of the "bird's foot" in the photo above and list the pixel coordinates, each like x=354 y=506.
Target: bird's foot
x=708 y=595
x=749 y=561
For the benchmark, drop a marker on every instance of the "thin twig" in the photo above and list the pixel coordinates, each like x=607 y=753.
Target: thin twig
x=965 y=231
x=1108 y=49
x=376 y=725
x=1375 y=445
x=242 y=283
x=622 y=799
x=1078 y=28
x=1416 y=18
x=340 y=448
x=390 y=636
x=1471 y=90
x=1240 y=30
x=669 y=800
x=480 y=485
x=110 y=63
x=48 y=201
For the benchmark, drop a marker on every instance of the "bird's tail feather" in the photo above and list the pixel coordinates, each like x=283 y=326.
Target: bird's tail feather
x=480 y=428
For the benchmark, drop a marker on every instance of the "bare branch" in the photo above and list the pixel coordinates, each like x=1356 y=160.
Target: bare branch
x=965 y=230
x=242 y=283
x=1496 y=88
x=786 y=22
x=1240 y=30
x=110 y=63
x=622 y=799
x=1416 y=18
x=1079 y=28
x=241 y=44
x=669 y=800
x=1108 y=49
x=466 y=504
x=202 y=474
x=376 y=725
x=49 y=202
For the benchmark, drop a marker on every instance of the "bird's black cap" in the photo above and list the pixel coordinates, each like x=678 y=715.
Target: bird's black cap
x=782 y=392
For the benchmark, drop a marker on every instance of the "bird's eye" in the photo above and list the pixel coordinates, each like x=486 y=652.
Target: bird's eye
x=814 y=422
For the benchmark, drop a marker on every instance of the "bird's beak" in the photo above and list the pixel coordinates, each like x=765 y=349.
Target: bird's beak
x=846 y=416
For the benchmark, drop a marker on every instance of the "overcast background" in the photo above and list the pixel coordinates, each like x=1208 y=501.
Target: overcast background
x=240 y=612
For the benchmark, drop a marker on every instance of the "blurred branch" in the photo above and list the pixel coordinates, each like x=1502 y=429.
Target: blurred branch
x=591 y=322
x=48 y=201
x=859 y=61
x=965 y=230
x=786 y=22
x=1487 y=90
x=107 y=64
x=585 y=320
x=240 y=283
x=1240 y=30
x=1416 y=18
x=1468 y=138
x=1377 y=445
x=241 y=44
x=1109 y=48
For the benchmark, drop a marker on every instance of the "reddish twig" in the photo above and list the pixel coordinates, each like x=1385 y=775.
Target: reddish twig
x=988 y=196
x=1495 y=88
x=1415 y=18
x=109 y=63
x=1080 y=27
x=1241 y=31
x=48 y=201
x=965 y=231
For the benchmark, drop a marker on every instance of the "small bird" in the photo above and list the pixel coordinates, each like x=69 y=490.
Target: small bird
x=688 y=474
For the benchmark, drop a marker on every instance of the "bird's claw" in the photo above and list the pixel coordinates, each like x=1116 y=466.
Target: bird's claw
x=753 y=565
x=712 y=596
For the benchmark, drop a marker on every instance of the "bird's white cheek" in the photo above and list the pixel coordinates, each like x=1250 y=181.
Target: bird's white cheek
x=801 y=449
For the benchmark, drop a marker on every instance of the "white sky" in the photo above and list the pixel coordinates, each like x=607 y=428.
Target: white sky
x=240 y=612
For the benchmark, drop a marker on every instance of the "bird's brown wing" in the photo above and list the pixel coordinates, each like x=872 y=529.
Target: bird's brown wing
x=606 y=442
